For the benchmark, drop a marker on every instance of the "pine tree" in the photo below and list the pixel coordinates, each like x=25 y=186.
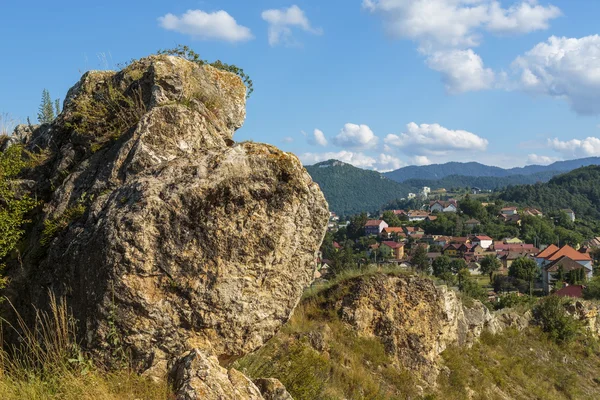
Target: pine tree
x=46 y=110
x=57 y=107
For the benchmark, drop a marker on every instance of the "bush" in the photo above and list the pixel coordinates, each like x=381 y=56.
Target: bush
x=592 y=289
x=555 y=321
x=513 y=300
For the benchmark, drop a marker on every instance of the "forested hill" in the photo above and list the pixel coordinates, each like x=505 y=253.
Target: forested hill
x=439 y=171
x=482 y=182
x=350 y=190
x=578 y=190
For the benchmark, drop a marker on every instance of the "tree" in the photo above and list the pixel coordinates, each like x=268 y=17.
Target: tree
x=441 y=266
x=46 y=110
x=356 y=227
x=489 y=265
x=555 y=320
x=419 y=259
x=391 y=219
x=526 y=269
x=457 y=265
x=57 y=107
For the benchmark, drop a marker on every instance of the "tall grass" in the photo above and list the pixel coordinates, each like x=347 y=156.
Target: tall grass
x=48 y=363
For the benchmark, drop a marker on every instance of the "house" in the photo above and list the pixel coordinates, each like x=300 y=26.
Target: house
x=394 y=249
x=566 y=264
x=592 y=243
x=474 y=268
x=417 y=215
x=336 y=246
x=431 y=218
x=483 y=241
x=464 y=249
x=472 y=223
x=412 y=231
x=508 y=257
x=399 y=213
x=442 y=240
x=443 y=206
x=509 y=211
x=451 y=250
x=375 y=227
x=552 y=254
x=514 y=240
x=475 y=190
x=519 y=247
x=393 y=232
x=534 y=212
x=433 y=256
x=514 y=219
x=570 y=214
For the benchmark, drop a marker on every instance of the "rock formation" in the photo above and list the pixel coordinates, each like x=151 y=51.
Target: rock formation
x=415 y=320
x=162 y=233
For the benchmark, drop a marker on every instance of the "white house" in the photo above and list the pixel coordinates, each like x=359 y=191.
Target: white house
x=483 y=241
x=509 y=211
x=375 y=226
x=443 y=206
x=570 y=214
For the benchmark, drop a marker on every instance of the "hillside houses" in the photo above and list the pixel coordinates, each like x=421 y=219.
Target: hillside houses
x=553 y=259
x=375 y=227
x=443 y=206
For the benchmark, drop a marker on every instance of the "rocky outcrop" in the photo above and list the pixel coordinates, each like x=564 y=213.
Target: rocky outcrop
x=195 y=376
x=272 y=389
x=415 y=320
x=162 y=233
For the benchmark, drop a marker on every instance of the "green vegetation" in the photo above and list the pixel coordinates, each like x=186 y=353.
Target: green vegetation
x=482 y=182
x=46 y=113
x=49 y=364
x=526 y=269
x=489 y=265
x=14 y=205
x=555 y=321
x=190 y=55
x=577 y=190
x=54 y=226
x=351 y=190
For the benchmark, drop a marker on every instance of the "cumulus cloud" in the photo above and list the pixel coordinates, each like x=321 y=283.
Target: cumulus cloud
x=541 y=160
x=283 y=20
x=356 y=137
x=218 y=25
x=462 y=70
x=383 y=162
x=420 y=160
x=566 y=68
x=435 y=139
x=446 y=32
x=588 y=147
x=317 y=138
x=357 y=159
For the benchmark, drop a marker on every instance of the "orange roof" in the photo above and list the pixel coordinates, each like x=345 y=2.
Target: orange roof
x=394 y=229
x=393 y=245
x=547 y=252
x=571 y=253
x=374 y=222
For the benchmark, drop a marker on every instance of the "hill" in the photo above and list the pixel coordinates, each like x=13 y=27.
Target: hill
x=439 y=171
x=482 y=182
x=351 y=190
x=578 y=190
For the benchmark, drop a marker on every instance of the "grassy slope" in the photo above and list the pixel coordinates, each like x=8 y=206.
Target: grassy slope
x=511 y=365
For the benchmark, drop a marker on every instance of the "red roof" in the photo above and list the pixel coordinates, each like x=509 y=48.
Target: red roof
x=393 y=245
x=569 y=252
x=374 y=222
x=394 y=229
x=548 y=251
x=483 y=238
x=570 y=291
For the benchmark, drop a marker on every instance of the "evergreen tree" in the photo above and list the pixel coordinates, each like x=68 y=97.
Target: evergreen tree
x=57 y=107
x=46 y=110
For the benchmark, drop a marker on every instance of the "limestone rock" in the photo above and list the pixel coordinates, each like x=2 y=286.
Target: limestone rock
x=415 y=320
x=160 y=230
x=272 y=389
x=195 y=376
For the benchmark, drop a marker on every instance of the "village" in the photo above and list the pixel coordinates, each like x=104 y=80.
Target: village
x=406 y=239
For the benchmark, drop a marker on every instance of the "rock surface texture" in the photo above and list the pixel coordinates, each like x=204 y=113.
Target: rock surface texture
x=164 y=234
x=415 y=320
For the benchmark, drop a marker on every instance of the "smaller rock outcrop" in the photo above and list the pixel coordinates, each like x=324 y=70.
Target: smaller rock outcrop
x=272 y=389
x=196 y=376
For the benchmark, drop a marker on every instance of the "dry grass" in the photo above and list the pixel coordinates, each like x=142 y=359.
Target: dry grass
x=49 y=364
x=7 y=124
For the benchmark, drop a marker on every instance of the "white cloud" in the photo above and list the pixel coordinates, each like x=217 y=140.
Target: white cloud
x=541 y=160
x=446 y=32
x=218 y=25
x=383 y=163
x=420 y=160
x=317 y=138
x=588 y=147
x=356 y=137
x=282 y=21
x=287 y=139
x=435 y=139
x=566 y=68
x=462 y=70
x=357 y=159
x=387 y=162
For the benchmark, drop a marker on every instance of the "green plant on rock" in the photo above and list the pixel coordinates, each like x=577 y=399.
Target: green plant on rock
x=54 y=226
x=14 y=206
x=190 y=55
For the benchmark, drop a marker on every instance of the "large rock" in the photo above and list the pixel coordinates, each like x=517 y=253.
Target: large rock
x=415 y=320
x=164 y=234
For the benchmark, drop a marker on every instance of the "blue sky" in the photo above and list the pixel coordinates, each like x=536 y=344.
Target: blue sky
x=377 y=83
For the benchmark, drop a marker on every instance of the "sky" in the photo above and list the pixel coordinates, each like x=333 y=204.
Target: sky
x=380 y=84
